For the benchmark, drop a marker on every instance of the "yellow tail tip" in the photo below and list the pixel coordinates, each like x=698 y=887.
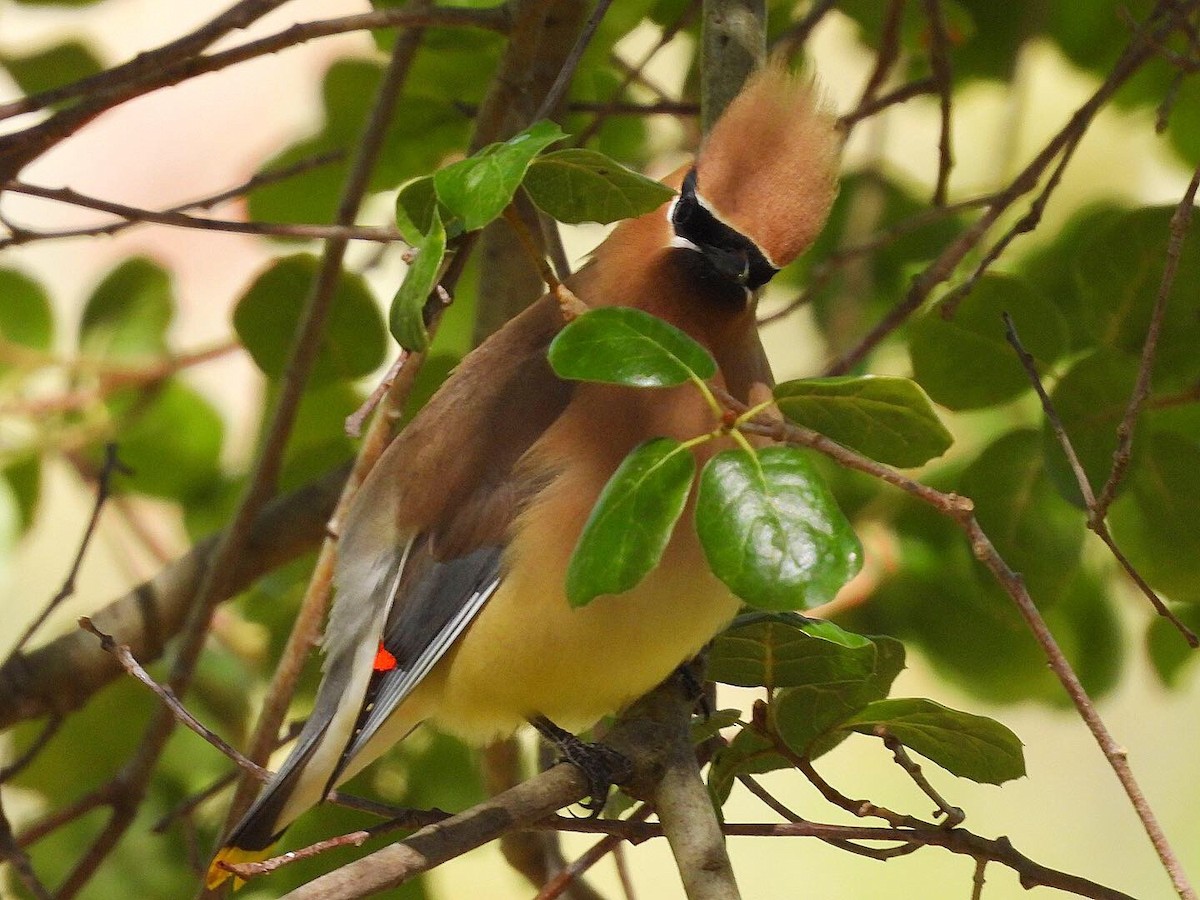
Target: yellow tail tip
x=218 y=874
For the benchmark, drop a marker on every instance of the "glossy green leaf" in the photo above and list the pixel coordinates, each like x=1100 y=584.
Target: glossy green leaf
x=25 y=314
x=966 y=362
x=127 y=315
x=1037 y=532
x=267 y=315
x=478 y=188
x=52 y=67
x=586 y=186
x=621 y=345
x=1157 y=524
x=807 y=716
x=416 y=206
x=964 y=744
x=406 y=316
x=632 y=521
x=772 y=531
x=886 y=418
x=785 y=650
x=1090 y=400
x=170 y=439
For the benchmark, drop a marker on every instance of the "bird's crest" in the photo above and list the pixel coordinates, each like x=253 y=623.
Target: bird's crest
x=768 y=168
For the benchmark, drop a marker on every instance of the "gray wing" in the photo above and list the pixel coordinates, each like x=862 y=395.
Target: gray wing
x=438 y=607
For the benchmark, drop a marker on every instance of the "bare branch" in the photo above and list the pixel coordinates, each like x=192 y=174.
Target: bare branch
x=1180 y=221
x=112 y=466
x=1096 y=523
x=131 y=215
x=20 y=148
x=960 y=510
x=1166 y=19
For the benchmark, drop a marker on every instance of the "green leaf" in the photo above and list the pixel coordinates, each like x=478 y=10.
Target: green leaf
x=50 y=68
x=171 y=440
x=1037 y=532
x=772 y=531
x=423 y=131
x=749 y=753
x=24 y=478
x=966 y=362
x=621 y=345
x=127 y=315
x=479 y=187
x=705 y=727
x=586 y=186
x=406 y=317
x=26 y=317
x=1168 y=651
x=963 y=744
x=267 y=315
x=808 y=715
x=886 y=418
x=416 y=207
x=318 y=442
x=629 y=527
x=1118 y=273
x=786 y=650
x=1155 y=524
x=1090 y=400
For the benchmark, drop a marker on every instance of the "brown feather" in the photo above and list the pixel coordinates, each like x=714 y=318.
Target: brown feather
x=769 y=166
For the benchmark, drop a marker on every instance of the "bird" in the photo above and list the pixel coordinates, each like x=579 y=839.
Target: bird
x=450 y=603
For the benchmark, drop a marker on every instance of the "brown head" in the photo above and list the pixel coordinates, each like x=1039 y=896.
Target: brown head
x=764 y=179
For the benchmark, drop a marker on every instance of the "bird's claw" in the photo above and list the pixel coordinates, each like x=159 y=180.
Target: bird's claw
x=601 y=765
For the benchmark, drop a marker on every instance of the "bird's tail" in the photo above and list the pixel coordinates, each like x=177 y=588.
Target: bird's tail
x=317 y=762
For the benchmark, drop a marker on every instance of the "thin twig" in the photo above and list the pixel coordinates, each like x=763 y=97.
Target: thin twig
x=879 y=853
x=559 y=89
x=170 y=700
x=53 y=723
x=1096 y=523
x=24 y=235
x=1181 y=220
x=1165 y=19
x=939 y=61
x=960 y=510
x=952 y=816
x=797 y=36
x=20 y=148
x=602 y=848
x=112 y=466
x=12 y=853
x=131 y=215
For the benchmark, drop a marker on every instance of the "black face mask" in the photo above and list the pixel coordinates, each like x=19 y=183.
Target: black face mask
x=731 y=254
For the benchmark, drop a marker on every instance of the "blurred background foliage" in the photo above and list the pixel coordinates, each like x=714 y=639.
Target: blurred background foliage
x=1080 y=291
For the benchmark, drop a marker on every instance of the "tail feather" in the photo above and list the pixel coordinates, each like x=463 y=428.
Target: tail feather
x=305 y=776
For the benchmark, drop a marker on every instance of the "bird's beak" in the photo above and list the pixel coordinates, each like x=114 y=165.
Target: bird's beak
x=734 y=264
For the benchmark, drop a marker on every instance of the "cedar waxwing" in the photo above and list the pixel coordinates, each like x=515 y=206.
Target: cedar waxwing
x=451 y=604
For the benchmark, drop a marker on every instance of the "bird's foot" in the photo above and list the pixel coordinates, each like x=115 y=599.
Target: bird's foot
x=601 y=765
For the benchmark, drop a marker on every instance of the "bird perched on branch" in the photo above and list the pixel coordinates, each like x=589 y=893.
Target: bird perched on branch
x=451 y=604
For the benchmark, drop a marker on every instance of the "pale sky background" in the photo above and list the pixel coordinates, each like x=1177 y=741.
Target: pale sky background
x=213 y=132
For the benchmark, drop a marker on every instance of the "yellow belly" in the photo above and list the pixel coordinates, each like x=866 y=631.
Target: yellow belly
x=528 y=652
